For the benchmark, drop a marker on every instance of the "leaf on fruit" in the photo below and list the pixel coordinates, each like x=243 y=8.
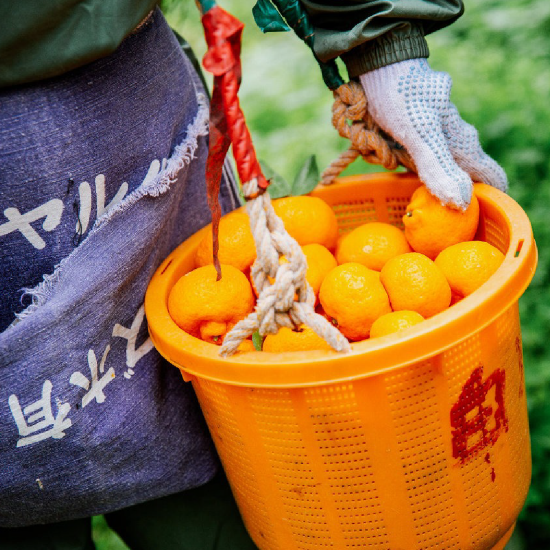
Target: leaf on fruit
x=307 y=178
x=278 y=186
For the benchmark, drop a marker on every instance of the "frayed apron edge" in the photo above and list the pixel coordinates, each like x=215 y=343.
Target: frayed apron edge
x=160 y=184
x=183 y=154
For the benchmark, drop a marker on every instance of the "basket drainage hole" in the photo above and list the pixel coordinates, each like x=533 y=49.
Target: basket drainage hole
x=518 y=248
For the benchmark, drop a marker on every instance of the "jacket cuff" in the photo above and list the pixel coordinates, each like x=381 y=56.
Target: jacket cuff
x=384 y=50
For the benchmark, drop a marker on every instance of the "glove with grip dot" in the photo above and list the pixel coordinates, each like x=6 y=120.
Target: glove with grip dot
x=411 y=102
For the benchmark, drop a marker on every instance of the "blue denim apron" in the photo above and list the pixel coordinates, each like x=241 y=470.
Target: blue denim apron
x=101 y=176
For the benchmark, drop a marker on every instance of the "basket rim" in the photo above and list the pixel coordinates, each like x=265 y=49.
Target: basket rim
x=196 y=358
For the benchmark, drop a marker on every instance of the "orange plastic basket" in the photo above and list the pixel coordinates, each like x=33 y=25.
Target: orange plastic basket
x=415 y=440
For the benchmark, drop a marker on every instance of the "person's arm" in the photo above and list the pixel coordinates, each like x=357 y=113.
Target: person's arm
x=370 y=34
x=382 y=43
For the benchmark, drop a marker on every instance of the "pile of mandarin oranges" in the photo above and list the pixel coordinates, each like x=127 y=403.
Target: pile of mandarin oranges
x=370 y=282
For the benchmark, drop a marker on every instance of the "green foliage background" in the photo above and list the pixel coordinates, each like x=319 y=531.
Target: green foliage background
x=498 y=54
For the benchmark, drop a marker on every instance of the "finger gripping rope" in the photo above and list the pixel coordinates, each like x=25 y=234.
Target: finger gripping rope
x=351 y=118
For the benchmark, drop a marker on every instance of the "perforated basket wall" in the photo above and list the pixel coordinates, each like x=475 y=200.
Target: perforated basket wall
x=373 y=463
x=433 y=454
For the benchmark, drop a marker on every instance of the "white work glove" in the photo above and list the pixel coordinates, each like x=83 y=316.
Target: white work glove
x=410 y=101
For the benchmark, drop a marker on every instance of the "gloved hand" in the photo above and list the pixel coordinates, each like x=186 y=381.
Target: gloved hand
x=411 y=102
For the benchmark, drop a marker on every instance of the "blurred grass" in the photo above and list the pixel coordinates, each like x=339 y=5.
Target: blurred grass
x=498 y=54
x=103 y=537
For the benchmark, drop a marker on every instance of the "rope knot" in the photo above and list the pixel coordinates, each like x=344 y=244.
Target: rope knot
x=352 y=120
x=285 y=298
x=352 y=100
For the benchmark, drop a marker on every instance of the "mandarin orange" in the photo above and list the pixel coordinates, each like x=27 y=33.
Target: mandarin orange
x=468 y=265
x=394 y=322
x=308 y=219
x=413 y=282
x=302 y=339
x=431 y=226
x=372 y=245
x=353 y=297
x=207 y=308
x=236 y=243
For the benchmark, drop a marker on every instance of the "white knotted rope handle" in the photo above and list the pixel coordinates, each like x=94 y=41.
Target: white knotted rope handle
x=277 y=305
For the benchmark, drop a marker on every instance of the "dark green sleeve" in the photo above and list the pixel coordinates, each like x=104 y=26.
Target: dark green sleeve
x=373 y=33
x=44 y=38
